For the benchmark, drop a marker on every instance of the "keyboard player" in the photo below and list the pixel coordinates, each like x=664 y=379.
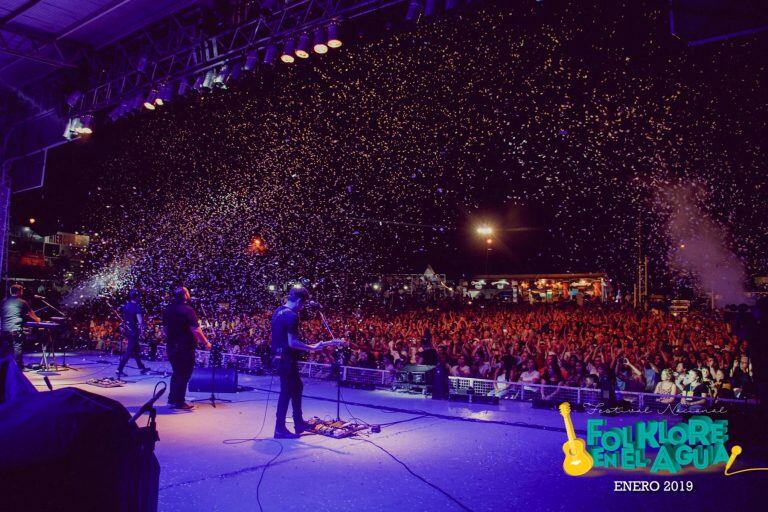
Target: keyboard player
x=14 y=311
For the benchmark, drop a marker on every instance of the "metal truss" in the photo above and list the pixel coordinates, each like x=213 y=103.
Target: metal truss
x=179 y=47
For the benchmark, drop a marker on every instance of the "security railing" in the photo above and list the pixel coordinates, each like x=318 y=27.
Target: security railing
x=590 y=398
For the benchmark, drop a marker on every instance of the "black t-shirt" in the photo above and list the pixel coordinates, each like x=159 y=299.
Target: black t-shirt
x=131 y=311
x=179 y=320
x=284 y=321
x=700 y=389
x=14 y=312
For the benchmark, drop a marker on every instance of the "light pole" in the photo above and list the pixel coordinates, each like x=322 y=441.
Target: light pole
x=486 y=231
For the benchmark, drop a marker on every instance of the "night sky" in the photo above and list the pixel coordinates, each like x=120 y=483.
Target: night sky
x=560 y=126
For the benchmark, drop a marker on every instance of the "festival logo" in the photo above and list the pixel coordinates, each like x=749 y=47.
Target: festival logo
x=652 y=445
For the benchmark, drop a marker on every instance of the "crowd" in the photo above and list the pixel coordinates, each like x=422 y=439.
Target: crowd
x=594 y=346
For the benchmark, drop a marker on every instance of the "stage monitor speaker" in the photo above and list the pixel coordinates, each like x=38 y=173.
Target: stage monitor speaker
x=204 y=381
x=419 y=374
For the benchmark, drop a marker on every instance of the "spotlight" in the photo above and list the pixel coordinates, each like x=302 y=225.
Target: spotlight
x=208 y=80
x=430 y=7
x=86 y=125
x=251 y=59
x=333 y=36
x=287 y=55
x=32 y=220
x=197 y=85
x=165 y=94
x=270 y=55
x=149 y=103
x=220 y=79
x=302 y=48
x=183 y=87
x=271 y=287
x=376 y=286
x=413 y=10
x=320 y=42
x=74 y=98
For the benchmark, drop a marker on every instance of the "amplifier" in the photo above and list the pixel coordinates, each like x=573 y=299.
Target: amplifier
x=419 y=374
x=203 y=380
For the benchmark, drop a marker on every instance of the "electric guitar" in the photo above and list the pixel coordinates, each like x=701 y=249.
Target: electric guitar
x=577 y=461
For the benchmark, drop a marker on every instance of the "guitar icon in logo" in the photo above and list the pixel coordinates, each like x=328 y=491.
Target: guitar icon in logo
x=577 y=461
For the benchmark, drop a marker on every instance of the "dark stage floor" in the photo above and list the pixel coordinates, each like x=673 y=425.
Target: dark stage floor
x=503 y=457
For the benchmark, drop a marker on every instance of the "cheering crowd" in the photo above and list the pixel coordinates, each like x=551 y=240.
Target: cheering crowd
x=697 y=353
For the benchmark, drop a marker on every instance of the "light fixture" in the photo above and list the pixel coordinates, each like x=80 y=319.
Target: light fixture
x=220 y=79
x=197 y=85
x=149 y=103
x=270 y=55
x=287 y=55
x=484 y=230
x=208 y=80
x=320 y=41
x=333 y=36
x=302 y=48
x=251 y=59
x=413 y=10
x=86 y=125
x=183 y=87
x=430 y=7
x=164 y=94
x=74 y=98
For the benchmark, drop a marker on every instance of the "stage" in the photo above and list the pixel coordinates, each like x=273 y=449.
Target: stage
x=487 y=457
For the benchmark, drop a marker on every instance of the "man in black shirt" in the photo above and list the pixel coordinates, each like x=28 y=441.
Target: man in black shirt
x=284 y=347
x=427 y=355
x=182 y=333
x=13 y=312
x=133 y=326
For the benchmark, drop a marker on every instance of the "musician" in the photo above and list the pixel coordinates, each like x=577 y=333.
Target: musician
x=133 y=327
x=13 y=312
x=182 y=334
x=285 y=344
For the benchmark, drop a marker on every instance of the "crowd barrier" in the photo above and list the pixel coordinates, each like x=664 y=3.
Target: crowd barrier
x=587 y=397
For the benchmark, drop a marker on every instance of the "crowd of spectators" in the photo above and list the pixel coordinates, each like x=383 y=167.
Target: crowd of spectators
x=592 y=346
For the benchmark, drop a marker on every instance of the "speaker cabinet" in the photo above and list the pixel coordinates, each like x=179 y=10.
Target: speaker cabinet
x=217 y=380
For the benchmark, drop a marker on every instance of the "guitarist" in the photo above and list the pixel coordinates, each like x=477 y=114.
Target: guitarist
x=285 y=344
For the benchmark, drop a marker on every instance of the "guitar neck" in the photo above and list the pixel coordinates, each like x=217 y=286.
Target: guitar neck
x=569 y=427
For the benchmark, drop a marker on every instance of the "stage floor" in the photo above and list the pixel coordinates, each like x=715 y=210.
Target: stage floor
x=487 y=457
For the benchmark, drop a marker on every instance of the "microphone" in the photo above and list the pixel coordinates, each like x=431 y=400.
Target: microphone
x=314 y=305
x=39 y=297
x=147 y=406
x=735 y=451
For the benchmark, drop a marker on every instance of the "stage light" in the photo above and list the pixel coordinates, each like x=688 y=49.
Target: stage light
x=86 y=125
x=197 y=85
x=489 y=241
x=271 y=287
x=302 y=47
x=333 y=36
x=220 y=79
x=74 y=98
x=270 y=55
x=251 y=58
x=183 y=87
x=320 y=42
x=376 y=286
x=413 y=10
x=149 y=103
x=484 y=230
x=430 y=7
x=208 y=80
x=287 y=55
x=32 y=220
x=164 y=94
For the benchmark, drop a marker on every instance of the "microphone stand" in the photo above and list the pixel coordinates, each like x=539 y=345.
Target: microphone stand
x=51 y=340
x=213 y=399
x=337 y=365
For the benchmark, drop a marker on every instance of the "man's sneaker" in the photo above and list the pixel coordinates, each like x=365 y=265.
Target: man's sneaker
x=120 y=374
x=145 y=370
x=285 y=434
x=184 y=406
